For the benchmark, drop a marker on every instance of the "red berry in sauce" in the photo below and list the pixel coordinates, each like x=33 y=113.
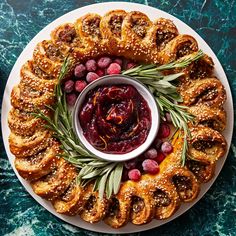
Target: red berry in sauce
x=134 y=175
x=129 y=165
x=114 y=68
x=118 y=61
x=151 y=153
x=104 y=62
x=130 y=65
x=100 y=72
x=80 y=71
x=91 y=76
x=164 y=130
x=69 y=86
x=71 y=99
x=160 y=157
x=150 y=166
x=91 y=65
x=167 y=147
x=80 y=85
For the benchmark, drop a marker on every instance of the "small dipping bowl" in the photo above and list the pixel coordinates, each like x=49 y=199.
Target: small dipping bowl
x=110 y=80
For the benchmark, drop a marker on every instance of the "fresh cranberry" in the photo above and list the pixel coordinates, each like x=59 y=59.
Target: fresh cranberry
x=167 y=147
x=118 y=61
x=69 y=86
x=80 y=85
x=80 y=71
x=91 y=76
x=129 y=165
x=71 y=99
x=160 y=157
x=164 y=131
x=104 y=62
x=100 y=72
x=150 y=166
x=114 y=68
x=91 y=65
x=151 y=153
x=134 y=175
x=130 y=65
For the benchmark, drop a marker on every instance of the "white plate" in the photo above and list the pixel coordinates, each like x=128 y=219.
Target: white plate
x=102 y=8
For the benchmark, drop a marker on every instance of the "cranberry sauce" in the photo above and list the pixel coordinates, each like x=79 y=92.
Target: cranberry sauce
x=115 y=119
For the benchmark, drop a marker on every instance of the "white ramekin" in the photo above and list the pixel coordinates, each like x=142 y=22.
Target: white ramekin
x=147 y=95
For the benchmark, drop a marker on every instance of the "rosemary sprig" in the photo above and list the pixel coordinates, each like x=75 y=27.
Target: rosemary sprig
x=107 y=175
x=180 y=117
x=153 y=71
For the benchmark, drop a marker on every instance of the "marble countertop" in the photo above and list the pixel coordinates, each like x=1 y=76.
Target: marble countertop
x=215 y=21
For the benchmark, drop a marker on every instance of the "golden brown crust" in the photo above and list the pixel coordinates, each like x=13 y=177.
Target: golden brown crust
x=30 y=79
x=23 y=146
x=178 y=47
x=48 y=57
x=94 y=208
x=213 y=117
x=166 y=198
x=208 y=91
x=23 y=123
x=134 y=33
x=206 y=144
x=135 y=37
x=119 y=208
x=185 y=182
x=29 y=100
x=71 y=202
x=38 y=165
x=56 y=182
x=203 y=171
x=111 y=25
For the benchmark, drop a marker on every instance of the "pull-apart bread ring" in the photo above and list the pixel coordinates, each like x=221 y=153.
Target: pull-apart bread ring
x=134 y=36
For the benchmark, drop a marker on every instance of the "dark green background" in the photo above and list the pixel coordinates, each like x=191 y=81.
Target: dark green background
x=215 y=21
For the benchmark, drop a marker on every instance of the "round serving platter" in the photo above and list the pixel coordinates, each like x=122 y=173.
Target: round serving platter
x=101 y=9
